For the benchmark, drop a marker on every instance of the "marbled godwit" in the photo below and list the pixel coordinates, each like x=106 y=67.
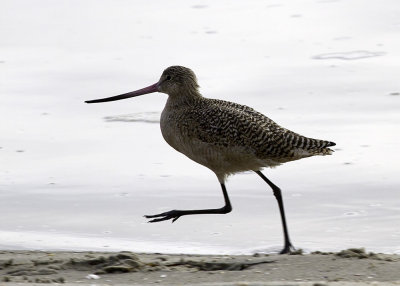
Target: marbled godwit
x=223 y=136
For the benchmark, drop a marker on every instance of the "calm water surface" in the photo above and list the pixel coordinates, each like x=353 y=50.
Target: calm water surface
x=80 y=177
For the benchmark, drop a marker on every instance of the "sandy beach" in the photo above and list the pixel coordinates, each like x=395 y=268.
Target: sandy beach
x=107 y=268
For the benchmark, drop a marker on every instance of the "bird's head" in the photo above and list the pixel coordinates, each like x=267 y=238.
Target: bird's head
x=174 y=81
x=177 y=79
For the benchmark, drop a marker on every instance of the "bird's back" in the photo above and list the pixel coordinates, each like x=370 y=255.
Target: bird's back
x=244 y=126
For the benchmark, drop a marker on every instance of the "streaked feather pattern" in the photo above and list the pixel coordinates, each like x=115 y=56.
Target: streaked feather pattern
x=228 y=137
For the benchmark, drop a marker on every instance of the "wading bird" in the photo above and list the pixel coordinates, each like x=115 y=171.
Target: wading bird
x=223 y=136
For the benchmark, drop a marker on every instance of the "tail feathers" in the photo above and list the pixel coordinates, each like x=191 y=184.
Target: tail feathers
x=302 y=146
x=320 y=147
x=329 y=143
x=325 y=151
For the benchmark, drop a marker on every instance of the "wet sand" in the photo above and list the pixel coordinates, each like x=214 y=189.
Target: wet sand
x=318 y=268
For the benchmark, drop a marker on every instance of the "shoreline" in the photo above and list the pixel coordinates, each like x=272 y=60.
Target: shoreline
x=117 y=268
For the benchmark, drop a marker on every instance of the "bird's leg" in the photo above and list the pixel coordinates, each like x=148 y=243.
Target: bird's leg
x=175 y=214
x=288 y=247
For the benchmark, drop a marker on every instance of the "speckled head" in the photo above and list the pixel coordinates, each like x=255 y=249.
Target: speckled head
x=174 y=81
x=177 y=80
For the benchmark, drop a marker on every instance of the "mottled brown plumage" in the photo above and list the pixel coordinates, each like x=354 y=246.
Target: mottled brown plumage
x=225 y=137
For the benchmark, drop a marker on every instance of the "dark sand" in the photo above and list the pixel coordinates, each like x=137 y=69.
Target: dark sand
x=353 y=265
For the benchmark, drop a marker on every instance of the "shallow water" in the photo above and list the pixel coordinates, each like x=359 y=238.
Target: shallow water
x=78 y=176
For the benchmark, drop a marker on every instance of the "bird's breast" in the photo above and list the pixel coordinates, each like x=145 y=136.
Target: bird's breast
x=184 y=133
x=173 y=129
x=168 y=129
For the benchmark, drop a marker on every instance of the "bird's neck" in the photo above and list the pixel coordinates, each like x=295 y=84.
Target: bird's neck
x=189 y=97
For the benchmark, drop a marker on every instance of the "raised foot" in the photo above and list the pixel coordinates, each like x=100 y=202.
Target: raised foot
x=174 y=215
x=288 y=249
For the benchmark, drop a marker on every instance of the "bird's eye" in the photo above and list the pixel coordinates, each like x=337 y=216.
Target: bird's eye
x=168 y=77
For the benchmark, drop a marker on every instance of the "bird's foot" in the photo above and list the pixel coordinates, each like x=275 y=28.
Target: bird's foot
x=174 y=215
x=288 y=249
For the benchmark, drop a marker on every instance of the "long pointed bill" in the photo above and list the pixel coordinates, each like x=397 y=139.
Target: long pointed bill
x=149 y=89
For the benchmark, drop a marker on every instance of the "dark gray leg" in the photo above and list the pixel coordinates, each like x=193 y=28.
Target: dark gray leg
x=175 y=214
x=288 y=247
